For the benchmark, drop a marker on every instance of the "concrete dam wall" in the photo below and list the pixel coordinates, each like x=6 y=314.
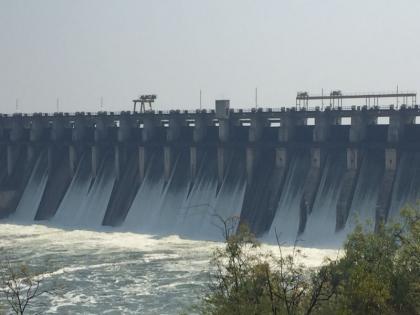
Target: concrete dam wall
x=303 y=174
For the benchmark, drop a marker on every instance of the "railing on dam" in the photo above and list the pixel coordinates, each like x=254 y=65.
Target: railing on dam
x=238 y=111
x=16 y=126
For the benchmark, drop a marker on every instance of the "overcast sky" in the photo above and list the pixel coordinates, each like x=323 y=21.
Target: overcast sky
x=79 y=51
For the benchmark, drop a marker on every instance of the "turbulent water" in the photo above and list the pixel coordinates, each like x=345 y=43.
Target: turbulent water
x=87 y=238
x=104 y=272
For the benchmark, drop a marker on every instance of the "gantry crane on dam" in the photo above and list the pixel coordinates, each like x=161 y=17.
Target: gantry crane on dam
x=336 y=97
x=143 y=99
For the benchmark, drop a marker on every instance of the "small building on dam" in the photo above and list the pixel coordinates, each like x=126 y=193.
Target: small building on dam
x=298 y=173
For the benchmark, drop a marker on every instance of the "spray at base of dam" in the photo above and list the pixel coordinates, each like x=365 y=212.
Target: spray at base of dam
x=296 y=173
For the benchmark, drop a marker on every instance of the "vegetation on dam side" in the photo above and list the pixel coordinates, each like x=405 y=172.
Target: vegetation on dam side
x=377 y=273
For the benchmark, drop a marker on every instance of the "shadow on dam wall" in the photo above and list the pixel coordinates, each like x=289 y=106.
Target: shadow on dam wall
x=181 y=205
x=14 y=177
x=293 y=180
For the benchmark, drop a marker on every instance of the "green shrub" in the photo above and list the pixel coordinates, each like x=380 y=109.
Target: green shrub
x=378 y=273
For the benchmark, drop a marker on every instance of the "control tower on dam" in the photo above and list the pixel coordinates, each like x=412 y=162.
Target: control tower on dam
x=298 y=171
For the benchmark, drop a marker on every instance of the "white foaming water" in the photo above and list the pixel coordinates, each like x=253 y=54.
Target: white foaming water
x=70 y=209
x=366 y=194
x=228 y=204
x=31 y=197
x=99 y=194
x=85 y=203
x=165 y=219
x=150 y=196
x=198 y=208
x=117 y=273
x=205 y=207
x=286 y=220
x=320 y=226
x=175 y=210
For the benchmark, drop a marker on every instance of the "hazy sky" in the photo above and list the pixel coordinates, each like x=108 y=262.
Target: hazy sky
x=78 y=51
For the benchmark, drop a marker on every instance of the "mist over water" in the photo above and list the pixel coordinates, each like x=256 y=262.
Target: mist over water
x=195 y=207
x=111 y=273
x=152 y=257
x=108 y=272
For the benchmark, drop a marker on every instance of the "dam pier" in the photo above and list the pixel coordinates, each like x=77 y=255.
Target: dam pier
x=293 y=170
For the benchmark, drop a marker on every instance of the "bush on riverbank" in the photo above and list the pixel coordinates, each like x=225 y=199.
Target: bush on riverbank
x=378 y=273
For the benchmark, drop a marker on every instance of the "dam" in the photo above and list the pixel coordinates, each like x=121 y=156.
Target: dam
x=296 y=172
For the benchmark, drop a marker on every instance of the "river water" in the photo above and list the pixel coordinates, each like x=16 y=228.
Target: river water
x=109 y=272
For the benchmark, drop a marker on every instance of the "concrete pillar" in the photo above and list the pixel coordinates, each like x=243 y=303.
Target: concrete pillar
x=102 y=123
x=101 y=128
x=288 y=125
x=256 y=128
x=395 y=128
x=1 y=128
x=385 y=190
x=349 y=181
x=124 y=130
x=78 y=136
x=317 y=157
x=142 y=163
x=120 y=158
x=37 y=128
x=281 y=157
x=359 y=123
x=73 y=159
x=51 y=158
x=251 y=159
x=312 y=181
x=193 y=162
x=390 y=159
x=96 y=155
x=224 y=130
x=397 y=122
x=17 y=132
x=323 y=123
x=353 y=158
x=200 y=129
x=12 y=156
x=222 y=161
x=167 y=161
x=79 y=128
x=149 y=128
x=36 y=134
x=173 y=132
x=32 y=150
x=58 y=128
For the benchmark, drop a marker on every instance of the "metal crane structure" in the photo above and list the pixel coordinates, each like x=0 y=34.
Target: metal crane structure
x=336 y=97
x=143 y=99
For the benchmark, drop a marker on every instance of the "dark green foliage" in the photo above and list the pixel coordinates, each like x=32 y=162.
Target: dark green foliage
x=378 y=273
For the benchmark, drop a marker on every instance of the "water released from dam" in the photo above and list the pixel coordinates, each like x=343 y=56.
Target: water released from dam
x=181 y=173
x=174 y=179
x=111 y=272
x=196 y=208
